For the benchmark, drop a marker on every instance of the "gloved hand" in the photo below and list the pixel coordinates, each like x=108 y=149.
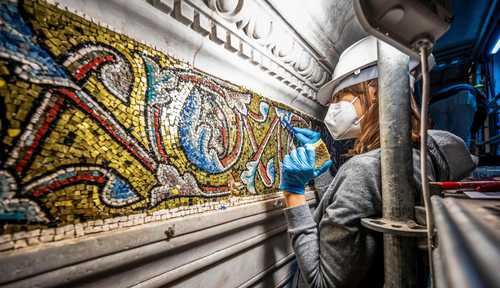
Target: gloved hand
x=306 y=136
x=298 y=169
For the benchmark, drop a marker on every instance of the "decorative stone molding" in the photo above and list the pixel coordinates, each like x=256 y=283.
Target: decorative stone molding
x=252 y=31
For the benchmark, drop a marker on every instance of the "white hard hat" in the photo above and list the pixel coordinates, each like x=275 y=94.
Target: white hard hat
x=357 y=64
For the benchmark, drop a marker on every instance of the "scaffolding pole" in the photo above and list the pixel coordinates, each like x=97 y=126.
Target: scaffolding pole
x=398 y=187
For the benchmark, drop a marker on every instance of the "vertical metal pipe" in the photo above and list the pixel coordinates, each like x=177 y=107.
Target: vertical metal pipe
x=424 y=181
x=398 y=186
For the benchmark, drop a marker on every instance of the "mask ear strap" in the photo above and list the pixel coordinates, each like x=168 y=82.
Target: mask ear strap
x=364 y=114
x=354 y=100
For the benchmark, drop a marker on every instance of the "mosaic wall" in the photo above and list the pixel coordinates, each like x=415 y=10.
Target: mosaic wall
x=95 y=125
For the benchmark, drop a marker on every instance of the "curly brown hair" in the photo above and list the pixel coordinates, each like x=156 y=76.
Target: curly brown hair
x=369 y=137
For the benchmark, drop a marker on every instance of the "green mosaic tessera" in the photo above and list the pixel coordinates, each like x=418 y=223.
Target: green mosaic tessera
x=96 y=125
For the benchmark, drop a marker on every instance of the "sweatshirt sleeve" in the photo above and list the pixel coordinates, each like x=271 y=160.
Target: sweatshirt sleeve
x=337 y=252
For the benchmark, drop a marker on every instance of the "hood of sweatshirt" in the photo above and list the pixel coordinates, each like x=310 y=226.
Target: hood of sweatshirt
x=451 y=159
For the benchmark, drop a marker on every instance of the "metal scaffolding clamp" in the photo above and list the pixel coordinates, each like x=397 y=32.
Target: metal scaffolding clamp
x=401 y=228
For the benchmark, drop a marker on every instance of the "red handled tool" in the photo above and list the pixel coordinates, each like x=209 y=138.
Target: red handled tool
x=468 y=184
x=489 y=187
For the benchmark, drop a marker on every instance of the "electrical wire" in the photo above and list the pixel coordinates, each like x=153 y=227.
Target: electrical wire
x=423 y=154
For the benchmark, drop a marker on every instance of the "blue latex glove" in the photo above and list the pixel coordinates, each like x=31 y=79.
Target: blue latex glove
x=306 y=136
x=298 y=169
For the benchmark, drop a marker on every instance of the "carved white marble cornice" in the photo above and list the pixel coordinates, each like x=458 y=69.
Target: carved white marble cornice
x=253 y=32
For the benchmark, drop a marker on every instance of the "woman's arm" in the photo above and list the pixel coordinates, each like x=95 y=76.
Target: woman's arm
x=337 y=252
x=292 y=200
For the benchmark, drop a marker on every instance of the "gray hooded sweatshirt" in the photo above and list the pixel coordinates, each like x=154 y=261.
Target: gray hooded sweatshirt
x=331 y=246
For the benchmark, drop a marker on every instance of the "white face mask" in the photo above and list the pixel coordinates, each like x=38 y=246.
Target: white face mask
x=342 y=120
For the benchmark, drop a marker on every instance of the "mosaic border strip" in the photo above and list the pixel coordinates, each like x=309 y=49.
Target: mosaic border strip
x=37 y=237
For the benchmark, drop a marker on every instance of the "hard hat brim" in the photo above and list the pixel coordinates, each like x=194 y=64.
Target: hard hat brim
x=332 y=87
x=367 y=73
